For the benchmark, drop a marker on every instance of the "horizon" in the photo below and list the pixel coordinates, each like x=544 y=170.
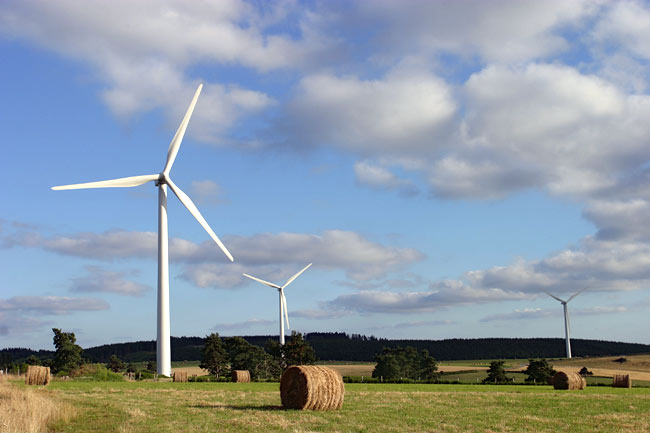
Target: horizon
x=275 y=337
x=441 y=164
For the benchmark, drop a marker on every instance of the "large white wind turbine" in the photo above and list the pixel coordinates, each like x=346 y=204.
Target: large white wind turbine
x=283 y=300
x=566 y=319
x=163 y=346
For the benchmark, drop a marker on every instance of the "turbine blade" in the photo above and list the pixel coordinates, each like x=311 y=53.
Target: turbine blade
x=189 y=204
x=296 y=276
x=122 y=182
x=180 y=132
x=275 y=286
x=576 y=294
x=284 y=304
x=553 y=296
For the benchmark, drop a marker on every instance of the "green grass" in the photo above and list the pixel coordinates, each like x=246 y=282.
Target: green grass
x=228 y=407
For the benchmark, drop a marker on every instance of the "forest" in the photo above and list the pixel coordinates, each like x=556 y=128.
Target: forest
x=339 y=346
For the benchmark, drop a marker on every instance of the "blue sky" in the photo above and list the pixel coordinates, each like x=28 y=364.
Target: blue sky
x=440 y=163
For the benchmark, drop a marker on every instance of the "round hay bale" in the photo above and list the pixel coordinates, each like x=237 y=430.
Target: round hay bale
x=180 y=376
x=622 y=381
x=241 y=376
x=568 y=380
x=37 y=375
x=311 y=387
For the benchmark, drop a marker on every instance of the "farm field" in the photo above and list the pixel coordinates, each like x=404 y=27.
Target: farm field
x=637 y=366
x=230 y=407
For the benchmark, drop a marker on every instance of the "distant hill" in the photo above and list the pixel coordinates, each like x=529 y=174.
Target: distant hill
x=344 y=347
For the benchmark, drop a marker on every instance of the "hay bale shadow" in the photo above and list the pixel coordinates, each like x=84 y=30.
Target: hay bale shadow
x=263 y=407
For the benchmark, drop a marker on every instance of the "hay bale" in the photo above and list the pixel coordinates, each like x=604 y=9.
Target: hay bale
x=622 y=381
x=179 y=376
x=570 y=380
x=241 y=376
x=37 y=375
x=311 y=387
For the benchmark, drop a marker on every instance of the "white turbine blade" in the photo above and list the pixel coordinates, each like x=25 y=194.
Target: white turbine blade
x=122 y=182
x=284 y=304
x=576 y=294
x=187 y=202
x=275 y=286
x=296 y=276
x=180 y=132
x=553 y=296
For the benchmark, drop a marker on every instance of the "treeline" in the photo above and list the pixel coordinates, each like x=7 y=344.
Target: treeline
x=345 y=347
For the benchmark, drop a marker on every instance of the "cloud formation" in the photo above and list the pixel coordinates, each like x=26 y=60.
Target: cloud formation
x=102 y=280
x=267 y=255
x=246 y=324
x=51 y=305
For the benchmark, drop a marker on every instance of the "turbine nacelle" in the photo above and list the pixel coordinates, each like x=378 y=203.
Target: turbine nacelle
x=163 y=179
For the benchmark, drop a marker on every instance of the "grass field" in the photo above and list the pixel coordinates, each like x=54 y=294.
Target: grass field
x=229 y=407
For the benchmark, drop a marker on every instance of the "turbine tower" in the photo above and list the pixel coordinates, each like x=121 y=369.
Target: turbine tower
x=566 y=319
x=162 y=180
x=283 y=300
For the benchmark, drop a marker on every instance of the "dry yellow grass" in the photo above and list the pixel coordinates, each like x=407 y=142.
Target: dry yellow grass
x=352 y=369
x=639 y=363
x=29 y=410
x=191 y=371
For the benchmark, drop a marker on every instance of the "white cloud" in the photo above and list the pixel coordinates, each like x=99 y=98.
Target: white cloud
x=161 y=40
x=269 y=255
x=399 y=114
x=598 y=310
x=524 y=314
x=206 y=192
x=424 y=323
x=318 y=314
x=380 y=178
x=495 y=31
x=625 y=24
x=444 y=295
x=247 y=324
x=51 y=305
x=102 y=280
x=13 y=323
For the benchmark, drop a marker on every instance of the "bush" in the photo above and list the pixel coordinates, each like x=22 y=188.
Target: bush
x=144 y=374
x=208 y=379
x=95 y=372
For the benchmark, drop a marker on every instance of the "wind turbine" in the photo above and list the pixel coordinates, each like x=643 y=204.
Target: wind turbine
x=566 y=319
x=162 y=180
x=283 y=299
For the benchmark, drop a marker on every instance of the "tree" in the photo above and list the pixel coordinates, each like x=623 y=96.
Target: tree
x=151 y=366
x=584 y=372
x=297 y=351
x=428 y=367
x=387 y=367
x=245 y=356
x=213 y=355
x=496 y=373
x=68 y=354
x=539 y=371
x=32 y=360
x=115 y=364
x=130 y=368
x=405 y=362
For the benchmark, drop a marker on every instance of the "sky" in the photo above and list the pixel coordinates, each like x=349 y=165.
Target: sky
x=441 y=164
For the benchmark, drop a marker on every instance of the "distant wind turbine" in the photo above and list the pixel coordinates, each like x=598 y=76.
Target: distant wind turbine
x=283 y=300
x=163 y=347
x=566 y=319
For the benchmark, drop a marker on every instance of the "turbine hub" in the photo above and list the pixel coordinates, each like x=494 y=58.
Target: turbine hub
x=162 y=179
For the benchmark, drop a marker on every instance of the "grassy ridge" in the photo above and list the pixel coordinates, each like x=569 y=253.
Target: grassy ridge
x=228 y=407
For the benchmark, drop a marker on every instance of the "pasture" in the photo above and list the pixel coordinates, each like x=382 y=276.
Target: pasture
x=252 y=407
